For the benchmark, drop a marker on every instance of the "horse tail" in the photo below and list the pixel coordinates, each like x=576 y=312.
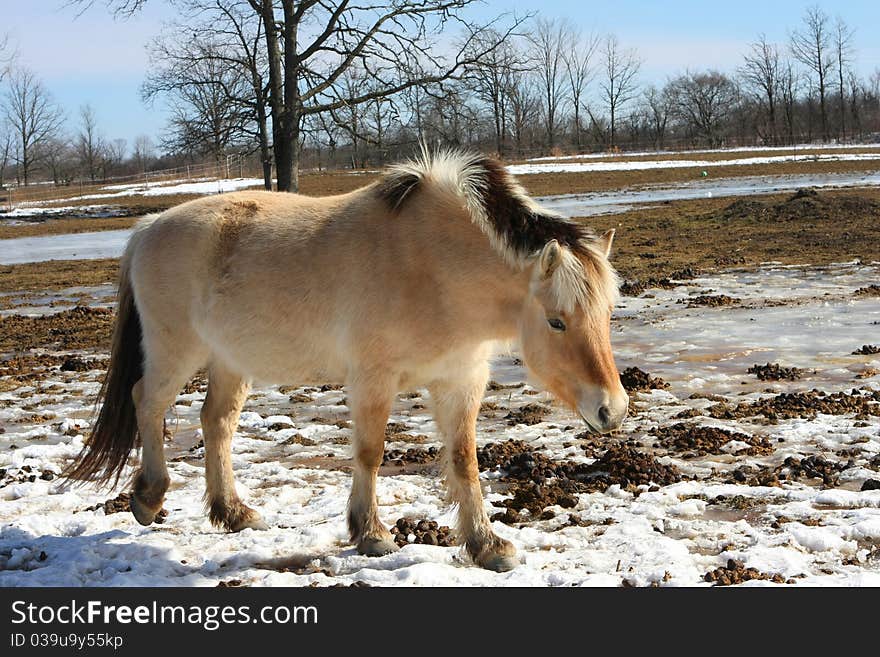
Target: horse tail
x=114 y=432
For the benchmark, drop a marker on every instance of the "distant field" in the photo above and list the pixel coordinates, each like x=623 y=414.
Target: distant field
x=651 y=242
x=537 y=182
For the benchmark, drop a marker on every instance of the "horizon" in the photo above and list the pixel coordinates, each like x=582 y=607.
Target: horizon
x=107 y=74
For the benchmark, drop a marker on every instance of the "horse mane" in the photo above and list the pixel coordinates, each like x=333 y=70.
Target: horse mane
x=517 y=227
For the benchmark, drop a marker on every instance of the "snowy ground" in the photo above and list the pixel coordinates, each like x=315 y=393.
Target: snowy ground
x=738 y=149
x=291 y=451
x=640 y=165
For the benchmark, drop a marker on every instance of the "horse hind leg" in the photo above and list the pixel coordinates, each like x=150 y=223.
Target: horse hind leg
x=226 y=396
x=165 y=373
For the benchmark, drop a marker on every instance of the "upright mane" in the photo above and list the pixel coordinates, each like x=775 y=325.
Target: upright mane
x=517 y=227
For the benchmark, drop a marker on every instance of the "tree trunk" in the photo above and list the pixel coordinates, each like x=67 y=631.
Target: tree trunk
x=612 y=127
x=822 y=109
x=294 y=159
x=842 y=100
x=265 y=155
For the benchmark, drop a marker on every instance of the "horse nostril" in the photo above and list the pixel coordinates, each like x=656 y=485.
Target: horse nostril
x=604 y=415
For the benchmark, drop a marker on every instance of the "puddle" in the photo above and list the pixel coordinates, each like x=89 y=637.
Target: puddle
x=585 y=205
x=76 y=246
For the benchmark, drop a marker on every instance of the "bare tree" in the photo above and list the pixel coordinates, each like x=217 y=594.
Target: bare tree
x=116 y=152
x=856 y=94
x=5 y=151
x=143 y=152
x=207 y=113
x=33 y=117
x=788 y=89
x=618 y=85
x=7 y=56
x=90 y=146
x=762 y=75
x=59 y=157
x=812 y=48
x=525 y=108
x=310 y=44
x=843 y=51
x=703 y=101
x=579 y=71
x=657 y=108
x=491 y=80
x=550 y=39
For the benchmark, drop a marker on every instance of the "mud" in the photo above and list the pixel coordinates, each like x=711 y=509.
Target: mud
x=735 y=572
x=122 y=504
x=869 y=291
x=711 y=301
x=411 y=455
x=867 y=350
x=792 y=469
x=425 y=532
x=78 y=328
x=25 y=473
x=694 y=441
x=536 y=481
x=529 y=414
x=636 y=380
x=28 y=366
x=636 y=288
x=75 y=364
x=861 y=402
x=776 y=372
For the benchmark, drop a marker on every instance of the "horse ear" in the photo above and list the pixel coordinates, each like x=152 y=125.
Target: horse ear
x=549 y=259
x=605 y=242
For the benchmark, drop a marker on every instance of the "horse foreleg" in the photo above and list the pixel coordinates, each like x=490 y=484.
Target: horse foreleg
x=226 y=395
x=370 y=407
x=457 y=403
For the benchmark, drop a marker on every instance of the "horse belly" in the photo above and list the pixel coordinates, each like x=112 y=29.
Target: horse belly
x=269 y=355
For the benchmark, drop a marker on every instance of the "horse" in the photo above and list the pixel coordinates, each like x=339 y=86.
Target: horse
x=405 y=283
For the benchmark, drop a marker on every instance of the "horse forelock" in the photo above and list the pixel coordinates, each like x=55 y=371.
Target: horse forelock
x=517 y=227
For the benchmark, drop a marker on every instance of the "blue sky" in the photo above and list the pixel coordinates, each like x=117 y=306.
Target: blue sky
x=93 y=58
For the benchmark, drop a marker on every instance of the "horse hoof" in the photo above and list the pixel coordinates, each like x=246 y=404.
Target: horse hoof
x=500 y=563
x=143 y=514
x=254 y=522
x=376 y=547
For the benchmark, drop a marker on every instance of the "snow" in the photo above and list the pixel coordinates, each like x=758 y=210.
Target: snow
x=639 y=165
x=738 y=149
x=669 y=537
x=90 y=210
x=205 y=186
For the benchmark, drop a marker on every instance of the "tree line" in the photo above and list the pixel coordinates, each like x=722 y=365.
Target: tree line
x=343 y=83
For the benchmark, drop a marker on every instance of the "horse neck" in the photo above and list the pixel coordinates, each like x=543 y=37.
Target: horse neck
x=494 y=290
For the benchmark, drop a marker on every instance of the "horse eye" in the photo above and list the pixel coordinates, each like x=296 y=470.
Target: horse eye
x=556 y=324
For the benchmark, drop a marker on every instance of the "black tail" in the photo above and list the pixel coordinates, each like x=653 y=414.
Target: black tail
x=114 y=432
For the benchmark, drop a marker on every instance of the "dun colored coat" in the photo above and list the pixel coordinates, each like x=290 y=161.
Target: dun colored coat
x=401 y=284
